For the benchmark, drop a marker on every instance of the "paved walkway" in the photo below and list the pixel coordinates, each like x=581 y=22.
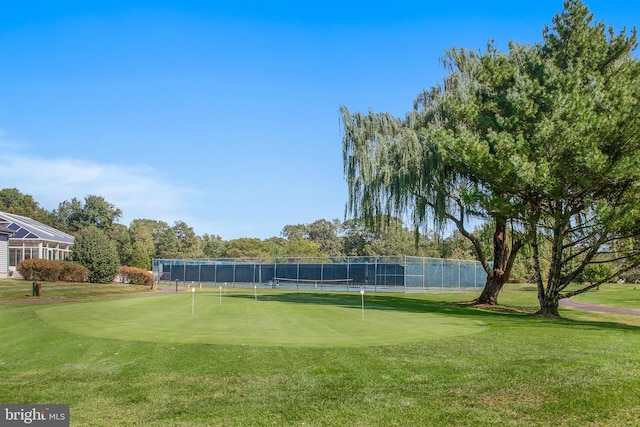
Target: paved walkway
x=569 y=303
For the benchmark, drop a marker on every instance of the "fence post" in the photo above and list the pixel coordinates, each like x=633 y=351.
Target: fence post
x=405 y=275
x=423 y=275
x=375 y=275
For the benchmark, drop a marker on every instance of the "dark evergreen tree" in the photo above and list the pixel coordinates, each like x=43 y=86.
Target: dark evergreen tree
x=94 y=250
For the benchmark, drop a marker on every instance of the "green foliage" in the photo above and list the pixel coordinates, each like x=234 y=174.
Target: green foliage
x=442 y=163
x=136 y=276
x=596 y=273
x=391 y=237
x=168 y=245
x=212 y=246
x=143 y=251
x=145 y=239
x=189 y=244
x=294 y=231
x=14 y=202
x=457 y=247
x=322 y=232
x=587 y=195
x=544 y=137
x=75 y=215
x=179 y=241
x=140 y=256
x=301 y=248
x=246 y=247
x=631 y=276
x=122 y=238
x=63 y=215
x=276 y=246
x=94 y=250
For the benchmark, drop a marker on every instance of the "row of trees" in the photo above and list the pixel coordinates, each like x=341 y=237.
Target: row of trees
x=145 y=239
x=541 y=142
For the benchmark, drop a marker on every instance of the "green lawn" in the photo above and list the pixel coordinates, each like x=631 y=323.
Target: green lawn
x=107 y=359
x=275 y=318
x=18 y=289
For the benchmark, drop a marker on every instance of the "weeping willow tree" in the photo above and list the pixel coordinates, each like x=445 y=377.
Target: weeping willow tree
x=448 y=160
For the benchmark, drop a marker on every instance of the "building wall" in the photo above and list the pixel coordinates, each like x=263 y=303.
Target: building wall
x=4 y=255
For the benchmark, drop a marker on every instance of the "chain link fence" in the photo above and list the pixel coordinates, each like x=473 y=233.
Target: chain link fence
x=377 y=274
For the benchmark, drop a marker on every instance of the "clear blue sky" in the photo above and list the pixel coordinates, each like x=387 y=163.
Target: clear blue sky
x=223 y=114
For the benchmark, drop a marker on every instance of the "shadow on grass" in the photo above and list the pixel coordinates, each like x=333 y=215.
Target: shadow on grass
x=412 y=305
x=376 y=302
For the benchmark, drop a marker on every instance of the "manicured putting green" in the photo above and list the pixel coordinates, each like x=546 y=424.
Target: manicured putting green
x=271 y=319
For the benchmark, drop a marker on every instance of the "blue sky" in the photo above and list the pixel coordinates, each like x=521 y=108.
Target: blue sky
x=224 y=115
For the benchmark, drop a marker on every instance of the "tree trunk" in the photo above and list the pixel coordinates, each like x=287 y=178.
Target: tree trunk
x=492 y=288
x=497 y=277
x=548 y=306
x=549 y=298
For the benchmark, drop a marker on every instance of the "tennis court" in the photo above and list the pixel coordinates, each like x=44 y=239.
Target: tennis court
x=375 y=274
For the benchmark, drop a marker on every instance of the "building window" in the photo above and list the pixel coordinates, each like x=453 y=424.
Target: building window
x=15 y=256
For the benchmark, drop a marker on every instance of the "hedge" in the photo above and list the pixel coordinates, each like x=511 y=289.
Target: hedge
x=74 y=272
x=52 y=271
x=135 y=276
x=66 y=271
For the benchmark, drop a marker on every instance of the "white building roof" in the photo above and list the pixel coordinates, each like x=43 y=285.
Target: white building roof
x=29 y=229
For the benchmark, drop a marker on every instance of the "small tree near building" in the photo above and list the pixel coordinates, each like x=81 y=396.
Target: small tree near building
x=93 y=249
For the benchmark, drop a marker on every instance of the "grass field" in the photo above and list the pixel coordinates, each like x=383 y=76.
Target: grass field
x=18 y=289
x=283 y=319
x=293 y=359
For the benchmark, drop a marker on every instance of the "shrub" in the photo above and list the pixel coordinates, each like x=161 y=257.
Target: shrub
x=52 y=271
x=136 y=276
x=40 y=269
x=93 y=249
x=73 y=272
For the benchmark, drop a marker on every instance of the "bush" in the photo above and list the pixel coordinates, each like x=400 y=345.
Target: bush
x=93 y=249
x=52 y=271
x=135 y=276
x=73 y=272
x=40 y=269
